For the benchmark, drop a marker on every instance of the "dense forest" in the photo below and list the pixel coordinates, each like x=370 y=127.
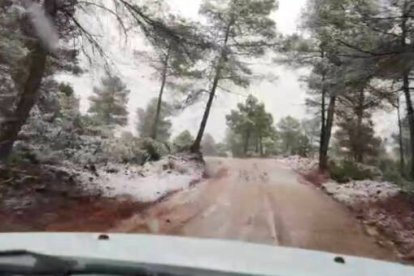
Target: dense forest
x=359 y=55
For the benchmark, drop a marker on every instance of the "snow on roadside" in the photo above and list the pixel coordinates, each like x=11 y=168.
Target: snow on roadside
x=383 y=205
x=298 y=163
x=379 y=204
x=145 y=183
x=351 y=193
x=359 y=192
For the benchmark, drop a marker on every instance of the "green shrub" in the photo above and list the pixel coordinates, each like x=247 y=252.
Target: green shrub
x=154 y=150
x=348 y=170
x=182 y=142
x=130 y=149
x=23 y=153
x=124 y=150
x=392 y=173
x=393 y=176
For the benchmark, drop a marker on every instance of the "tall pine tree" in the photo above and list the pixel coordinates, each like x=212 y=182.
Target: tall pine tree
x=252 y=124
x=109 y=102
x=237 y=29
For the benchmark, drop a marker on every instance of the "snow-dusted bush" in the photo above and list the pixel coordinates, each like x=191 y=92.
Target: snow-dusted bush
x=51 y=136
x=52 y=143
x=89 y=149
x=146 y=183
x=126 y=149
x=56 y=132
x=154 y=149
x=359 y=192
x=346 y=171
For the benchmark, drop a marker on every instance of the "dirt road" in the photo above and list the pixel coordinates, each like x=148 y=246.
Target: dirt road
x=258 y=201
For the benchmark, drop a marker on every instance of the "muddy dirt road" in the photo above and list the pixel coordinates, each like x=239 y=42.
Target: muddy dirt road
x=258 y=201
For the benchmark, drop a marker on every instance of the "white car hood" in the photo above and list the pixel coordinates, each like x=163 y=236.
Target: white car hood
x=226 y=256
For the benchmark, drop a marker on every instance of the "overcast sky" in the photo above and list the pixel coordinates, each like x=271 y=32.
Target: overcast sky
x=282 y=97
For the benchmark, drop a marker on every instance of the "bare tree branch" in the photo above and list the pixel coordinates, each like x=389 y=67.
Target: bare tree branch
x=118 y=18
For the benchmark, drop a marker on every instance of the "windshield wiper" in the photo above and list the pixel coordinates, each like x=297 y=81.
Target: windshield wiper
x=26 y=262
x=22 y=262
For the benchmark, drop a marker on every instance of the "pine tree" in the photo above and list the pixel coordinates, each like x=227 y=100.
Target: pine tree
x=54 y=129
x=289 y=130
x=28 y=80
x=172 y=62
x=238 y=28
x=402 y=145
x=241 y=121
x=109 y=102
x=183 y=141
x=311 y=129
x=209 y=146
x=317 y=52
x=356 y=135
x=337 y=69
x=69 y=104
x=357 y=142
x=378 y=36
x=234 y=143
x=146 y=121
x=252 y=124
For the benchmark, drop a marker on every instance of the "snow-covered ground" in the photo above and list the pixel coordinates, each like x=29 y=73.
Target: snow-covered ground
x=383 y=205
x=359 y=192
x=299 y=164
x=351 y=193
x=146 y=183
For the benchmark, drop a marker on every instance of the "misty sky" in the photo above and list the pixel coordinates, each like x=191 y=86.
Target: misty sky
x=285 y=96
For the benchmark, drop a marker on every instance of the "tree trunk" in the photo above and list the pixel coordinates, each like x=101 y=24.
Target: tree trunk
x=359 y=157
x=323 y=130
x=154 y=130
x=323 y=119
x=261 y=146
x=410 y=117
x=195 y=148
x=246 y=142
x=10 y=129
x=257 y=143
x=323 y=158
x=29 y=94
x=400 y=139
x=197 y=142
x=406 y=88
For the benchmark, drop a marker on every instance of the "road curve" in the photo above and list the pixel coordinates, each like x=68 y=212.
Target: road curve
x=261 y=201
